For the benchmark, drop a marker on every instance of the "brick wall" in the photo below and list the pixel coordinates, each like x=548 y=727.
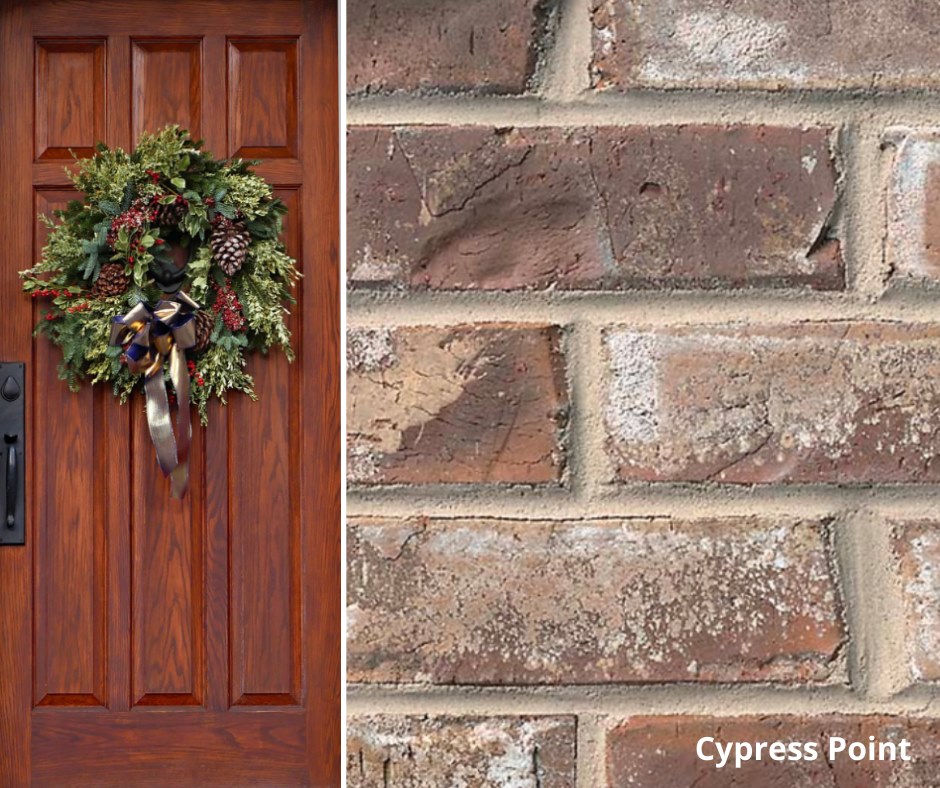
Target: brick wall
x=643 y=387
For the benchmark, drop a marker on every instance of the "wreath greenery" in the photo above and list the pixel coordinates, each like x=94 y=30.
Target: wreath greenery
x=167 y=217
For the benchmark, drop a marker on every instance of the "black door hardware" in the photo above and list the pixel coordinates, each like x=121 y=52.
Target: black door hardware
x=13 y=428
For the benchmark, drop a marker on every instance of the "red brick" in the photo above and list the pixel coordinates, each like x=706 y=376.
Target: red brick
x=660 y=752
x=592 y=208
x=491 y=46
x=621 y=600
x=912 y=247
x=475 y=403
x=765 y=44
x=502 y=752
x=917 y=546
x=811 y=402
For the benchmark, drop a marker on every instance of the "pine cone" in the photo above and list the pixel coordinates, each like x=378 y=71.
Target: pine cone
x=111 y=281
x=229 y=242
x=171 y=215
x=204 y=323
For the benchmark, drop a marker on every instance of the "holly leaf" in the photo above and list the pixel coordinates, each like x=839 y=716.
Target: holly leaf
x=261 y=230
x=179 y=183
x=228 y=211
x=170 y=198
x=200 y=283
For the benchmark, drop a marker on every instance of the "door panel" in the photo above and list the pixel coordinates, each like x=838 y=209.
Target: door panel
x=167 y=84
x=70 y=614
x=70 y=104
x=149 y=641
x=266 y=605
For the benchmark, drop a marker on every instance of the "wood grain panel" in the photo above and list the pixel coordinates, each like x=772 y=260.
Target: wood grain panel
x=166 y=84
x=181 y=18
x=321 y=401
x=169 y=748
x=69 y=574
x=70 y=97
x=16 y=217
x=264 y=524
x=168 y=666
x=262 y=89
x=205 y=640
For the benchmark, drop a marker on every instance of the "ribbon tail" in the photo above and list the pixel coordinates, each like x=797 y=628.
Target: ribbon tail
x=180 y=377
x=158 y=420
x=179 y=480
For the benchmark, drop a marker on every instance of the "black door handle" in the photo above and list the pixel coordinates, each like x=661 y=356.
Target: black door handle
x=13 y=452
x=13 y=480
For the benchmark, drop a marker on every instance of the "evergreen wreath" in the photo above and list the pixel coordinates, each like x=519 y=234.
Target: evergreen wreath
x=167 y=218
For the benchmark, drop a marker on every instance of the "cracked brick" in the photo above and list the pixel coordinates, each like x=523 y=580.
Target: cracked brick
x=494 y=601
x=917 y=550
x=608 y=208
x=765 y=44
x=912 y=243
x=501 y=752
x=833 y=402
x=464 y=404
x=486 y=46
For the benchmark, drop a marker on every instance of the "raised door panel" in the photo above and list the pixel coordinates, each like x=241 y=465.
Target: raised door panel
x=70 y=97
x=167 y=587
x=70 y=623
x=265 y=515
x=262 y=97
x=167 y=84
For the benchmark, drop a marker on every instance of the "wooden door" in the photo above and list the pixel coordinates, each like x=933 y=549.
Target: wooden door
x=146 y=641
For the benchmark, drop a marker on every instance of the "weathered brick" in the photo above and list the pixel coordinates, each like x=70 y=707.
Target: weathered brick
x=593 y=208
x=459 y=404
x=813 y=402
x=659 y=752
x=917 y=546
x=766 y=44
x=502 y=752
x=491 y=46
x=912 y=247
x=629 y=600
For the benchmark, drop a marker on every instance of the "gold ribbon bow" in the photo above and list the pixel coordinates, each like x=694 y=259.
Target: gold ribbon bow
x=154 y=337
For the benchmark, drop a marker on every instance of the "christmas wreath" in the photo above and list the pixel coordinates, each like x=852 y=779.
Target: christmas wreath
x=171 y=263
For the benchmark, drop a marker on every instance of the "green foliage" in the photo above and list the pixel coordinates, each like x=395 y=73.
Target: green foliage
x=199 y=267
x=115 y=223
x=222 y=371
x=263 y=289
